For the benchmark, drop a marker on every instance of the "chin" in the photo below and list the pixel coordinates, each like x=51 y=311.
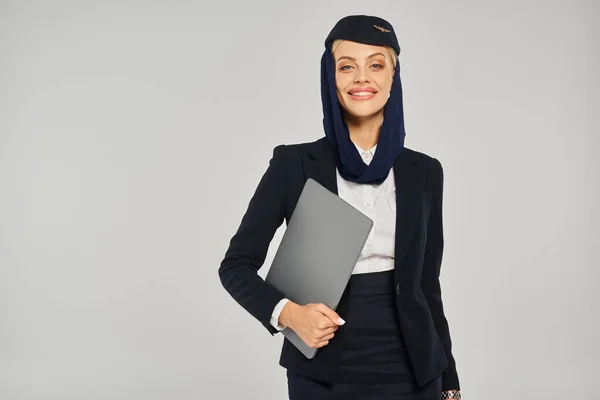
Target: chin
x=360 y=112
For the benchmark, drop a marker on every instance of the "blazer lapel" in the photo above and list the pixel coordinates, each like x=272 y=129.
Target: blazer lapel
x=319 y=164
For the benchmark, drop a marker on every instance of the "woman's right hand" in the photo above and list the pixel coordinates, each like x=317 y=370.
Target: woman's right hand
x=315 y=323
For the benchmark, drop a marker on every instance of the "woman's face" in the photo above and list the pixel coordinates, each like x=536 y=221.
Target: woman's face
x=363 y=76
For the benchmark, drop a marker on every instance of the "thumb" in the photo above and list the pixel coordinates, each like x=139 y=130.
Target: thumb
x=332 y=315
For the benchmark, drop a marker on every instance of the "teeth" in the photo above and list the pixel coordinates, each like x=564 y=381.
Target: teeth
x=362 y=93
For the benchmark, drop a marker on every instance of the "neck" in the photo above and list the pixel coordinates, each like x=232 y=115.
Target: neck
x=364 y=131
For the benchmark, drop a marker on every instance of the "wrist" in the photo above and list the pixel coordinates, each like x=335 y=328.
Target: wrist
x=287 y=313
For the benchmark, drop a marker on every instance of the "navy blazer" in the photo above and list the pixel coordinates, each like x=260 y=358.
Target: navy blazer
x=418 y=256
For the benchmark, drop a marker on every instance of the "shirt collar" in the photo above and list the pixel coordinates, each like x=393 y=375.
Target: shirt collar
x=366 y=155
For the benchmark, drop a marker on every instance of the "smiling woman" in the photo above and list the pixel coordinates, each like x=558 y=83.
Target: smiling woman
x=388 y=337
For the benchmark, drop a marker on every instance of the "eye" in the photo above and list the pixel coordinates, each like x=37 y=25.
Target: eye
x=343 y=68
x=379 y=66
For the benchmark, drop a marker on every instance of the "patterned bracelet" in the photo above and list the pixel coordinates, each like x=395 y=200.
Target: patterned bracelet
x=451 y=394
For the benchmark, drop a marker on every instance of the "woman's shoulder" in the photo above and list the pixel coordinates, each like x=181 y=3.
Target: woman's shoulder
x=303 y=147
x=297 y=150
x=432 y=164
x=420 y=155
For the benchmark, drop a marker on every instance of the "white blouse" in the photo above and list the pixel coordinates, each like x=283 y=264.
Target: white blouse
x=377 y=202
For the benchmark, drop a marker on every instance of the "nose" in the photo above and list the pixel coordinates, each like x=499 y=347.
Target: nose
x=361 y=76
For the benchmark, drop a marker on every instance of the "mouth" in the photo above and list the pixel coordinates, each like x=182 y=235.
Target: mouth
x=362 y=93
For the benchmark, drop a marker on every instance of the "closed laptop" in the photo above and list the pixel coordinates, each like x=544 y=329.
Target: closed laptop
x=318 y=252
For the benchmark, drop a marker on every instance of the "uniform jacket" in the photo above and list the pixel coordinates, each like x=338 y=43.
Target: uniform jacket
x=418 y=256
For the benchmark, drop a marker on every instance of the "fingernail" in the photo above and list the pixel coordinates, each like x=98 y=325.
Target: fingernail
x=341 y=321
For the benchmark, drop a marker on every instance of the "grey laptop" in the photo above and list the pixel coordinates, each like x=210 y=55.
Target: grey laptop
x=318 y=252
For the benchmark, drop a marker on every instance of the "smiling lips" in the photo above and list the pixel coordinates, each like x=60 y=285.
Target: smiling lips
x=365 y=93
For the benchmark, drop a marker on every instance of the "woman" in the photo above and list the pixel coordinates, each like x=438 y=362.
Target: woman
x=388 y=338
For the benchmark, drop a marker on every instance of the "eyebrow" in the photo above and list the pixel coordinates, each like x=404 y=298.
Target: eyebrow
x=354 y=59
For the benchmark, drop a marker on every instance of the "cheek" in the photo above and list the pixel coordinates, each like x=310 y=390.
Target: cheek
x=340 y=93
x=341 y=82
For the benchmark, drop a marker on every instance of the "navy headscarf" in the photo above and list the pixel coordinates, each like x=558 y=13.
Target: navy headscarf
x=375 y=31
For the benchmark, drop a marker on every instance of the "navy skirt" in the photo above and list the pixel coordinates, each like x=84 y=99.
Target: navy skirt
x=374 y=361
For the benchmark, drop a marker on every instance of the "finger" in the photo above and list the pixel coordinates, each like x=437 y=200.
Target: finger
x=330 y=329
x=329 y=313
x=328 y=336
x=315 y=344
x=323 y=322
x=327 y=331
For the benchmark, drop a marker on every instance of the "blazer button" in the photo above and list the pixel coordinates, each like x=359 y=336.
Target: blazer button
x=398 y=288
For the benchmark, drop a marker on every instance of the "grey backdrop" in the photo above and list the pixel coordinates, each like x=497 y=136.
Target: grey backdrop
x=134 y=133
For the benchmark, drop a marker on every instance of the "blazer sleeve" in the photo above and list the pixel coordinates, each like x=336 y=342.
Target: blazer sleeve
x=431 y=272
x=248 y=246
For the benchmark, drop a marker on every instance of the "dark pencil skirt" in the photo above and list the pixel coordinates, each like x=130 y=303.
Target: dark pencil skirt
x=374 y=360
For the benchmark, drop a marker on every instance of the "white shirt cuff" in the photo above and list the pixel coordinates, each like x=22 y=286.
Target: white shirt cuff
x=275 y=316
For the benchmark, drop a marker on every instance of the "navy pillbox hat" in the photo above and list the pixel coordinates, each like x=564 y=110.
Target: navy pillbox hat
x=365 y=29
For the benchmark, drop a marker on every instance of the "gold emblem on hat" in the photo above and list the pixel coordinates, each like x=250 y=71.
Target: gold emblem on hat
x=381 y=29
